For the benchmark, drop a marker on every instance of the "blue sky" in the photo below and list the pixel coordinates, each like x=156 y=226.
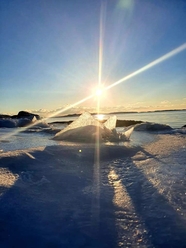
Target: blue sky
x=49 y=54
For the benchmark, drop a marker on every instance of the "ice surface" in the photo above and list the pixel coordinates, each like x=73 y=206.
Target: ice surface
x=81 y=134
x=87 y=129
x=56 y=196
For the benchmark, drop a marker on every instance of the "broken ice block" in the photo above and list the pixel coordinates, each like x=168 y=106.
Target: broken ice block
x=87 y=129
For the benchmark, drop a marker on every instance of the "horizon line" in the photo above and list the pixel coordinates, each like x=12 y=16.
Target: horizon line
x=102 y=112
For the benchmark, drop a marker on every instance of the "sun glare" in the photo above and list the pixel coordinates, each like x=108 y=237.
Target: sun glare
x=99 y=92
x=100 y=117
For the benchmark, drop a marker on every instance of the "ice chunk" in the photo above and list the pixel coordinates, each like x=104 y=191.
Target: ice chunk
x=81 y=134
x=150 y=126
x=17 y=122
x=115 y=136
x=23 y=122
x=111 y=133
x=111 y=122
x=87 y=129
x=86 y=119
x=9 y=123
x=109 y=129
x=128 y=132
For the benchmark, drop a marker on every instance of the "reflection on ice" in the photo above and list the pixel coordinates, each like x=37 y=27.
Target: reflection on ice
x=121 y=197
x=127 y=219
x=167 y=175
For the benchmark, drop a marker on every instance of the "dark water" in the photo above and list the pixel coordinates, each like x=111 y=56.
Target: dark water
x=175 y=119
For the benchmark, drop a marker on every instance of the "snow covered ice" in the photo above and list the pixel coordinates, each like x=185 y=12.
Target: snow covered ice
x=61 y=196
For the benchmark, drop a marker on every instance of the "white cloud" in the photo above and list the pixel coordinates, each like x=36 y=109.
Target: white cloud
x=165 y=102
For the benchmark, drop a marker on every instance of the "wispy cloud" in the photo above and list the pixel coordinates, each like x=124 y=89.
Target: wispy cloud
x=165 y=102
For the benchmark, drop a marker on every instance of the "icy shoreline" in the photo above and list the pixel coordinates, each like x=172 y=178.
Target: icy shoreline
x=85 y=129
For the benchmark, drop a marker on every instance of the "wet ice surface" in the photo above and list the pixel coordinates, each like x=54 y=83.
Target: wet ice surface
x=29 y=139
x=23 y=140
x=64 y=196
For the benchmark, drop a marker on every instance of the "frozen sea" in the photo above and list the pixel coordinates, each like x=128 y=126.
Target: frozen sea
x=72 y=195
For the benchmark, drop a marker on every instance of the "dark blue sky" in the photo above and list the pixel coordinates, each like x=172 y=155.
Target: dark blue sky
x=49 y=53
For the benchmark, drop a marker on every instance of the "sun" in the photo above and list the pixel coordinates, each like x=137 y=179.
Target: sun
x=99 y=92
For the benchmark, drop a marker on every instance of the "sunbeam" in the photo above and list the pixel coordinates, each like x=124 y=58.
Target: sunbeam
x=98 y=93
x=101 y=29
x=146 y=67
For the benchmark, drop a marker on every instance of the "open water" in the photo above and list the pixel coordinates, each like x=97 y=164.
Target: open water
x=175 y=119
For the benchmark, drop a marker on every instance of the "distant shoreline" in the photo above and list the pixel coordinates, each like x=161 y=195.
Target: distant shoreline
x=120 y=112
x=92 y=113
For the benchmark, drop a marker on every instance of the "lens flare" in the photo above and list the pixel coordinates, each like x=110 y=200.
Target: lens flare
x=101 y=30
